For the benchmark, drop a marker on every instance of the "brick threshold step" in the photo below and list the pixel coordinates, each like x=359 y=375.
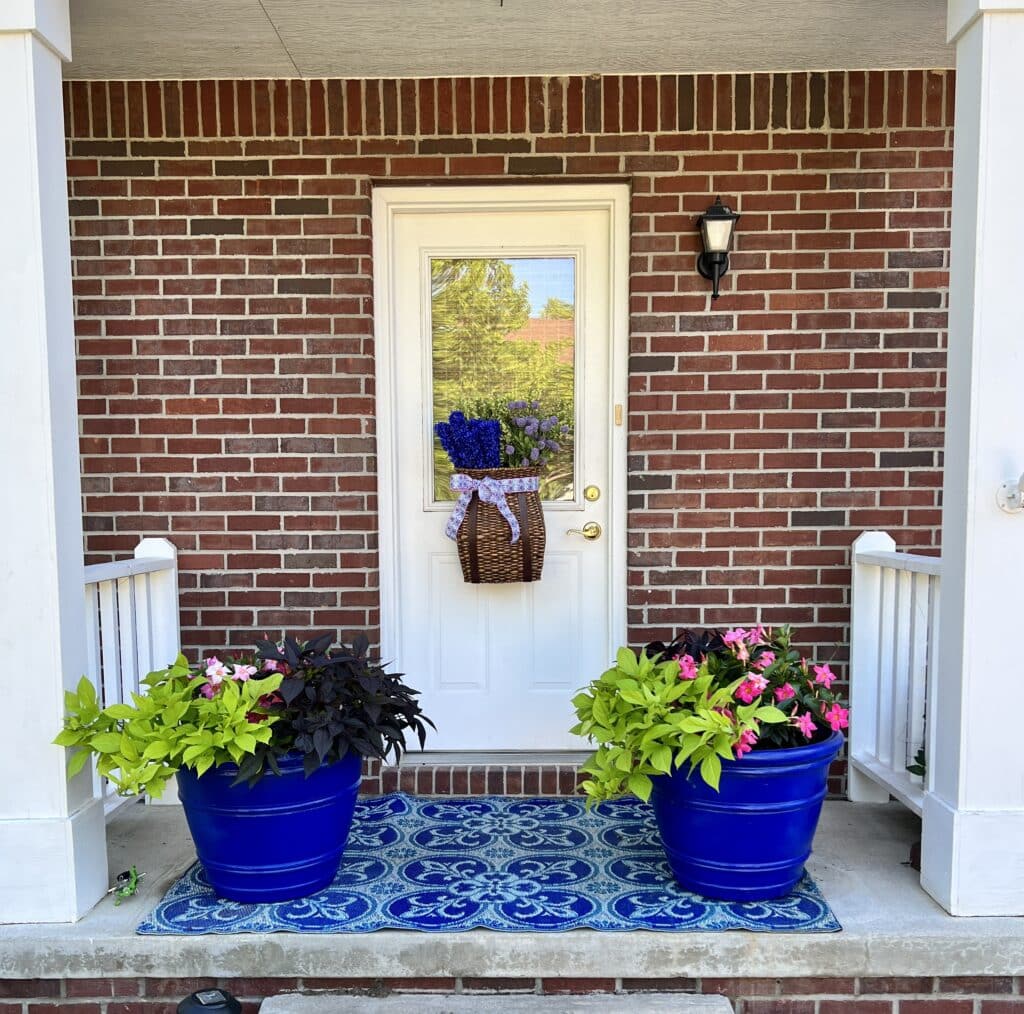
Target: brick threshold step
x=518 y=1003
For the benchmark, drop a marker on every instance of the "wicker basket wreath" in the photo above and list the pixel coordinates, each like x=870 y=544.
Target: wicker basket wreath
x=498 y=457
x=487 y=553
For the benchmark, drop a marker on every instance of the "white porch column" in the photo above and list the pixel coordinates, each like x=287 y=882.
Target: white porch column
x=973 y=842
x=52 y=841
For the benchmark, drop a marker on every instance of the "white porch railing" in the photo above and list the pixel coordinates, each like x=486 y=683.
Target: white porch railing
x=893 y=635
x=131 y=617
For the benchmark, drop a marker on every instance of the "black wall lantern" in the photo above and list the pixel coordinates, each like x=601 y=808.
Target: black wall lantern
x=716 y=229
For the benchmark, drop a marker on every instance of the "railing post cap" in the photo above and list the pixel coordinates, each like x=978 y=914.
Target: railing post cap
x=881 y=541
x=160 y=548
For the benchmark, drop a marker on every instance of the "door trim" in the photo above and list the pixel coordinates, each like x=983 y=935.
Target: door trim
x=388 y=204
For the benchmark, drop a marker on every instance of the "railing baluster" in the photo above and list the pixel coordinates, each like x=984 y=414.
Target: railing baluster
x=931 y=733
x=110 y=677
x=128 y=650
x=93 y=663
x=919 y=663
x=901 y=670
x=144 y=625
x=886 y=667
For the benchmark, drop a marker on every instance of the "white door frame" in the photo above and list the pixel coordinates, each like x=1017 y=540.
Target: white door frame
x=388 y=202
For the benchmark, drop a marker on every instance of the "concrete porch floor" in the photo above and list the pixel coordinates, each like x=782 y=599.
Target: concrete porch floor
x=890 y=927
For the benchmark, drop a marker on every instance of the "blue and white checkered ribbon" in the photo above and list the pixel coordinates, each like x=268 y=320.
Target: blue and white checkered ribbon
x=492 y=491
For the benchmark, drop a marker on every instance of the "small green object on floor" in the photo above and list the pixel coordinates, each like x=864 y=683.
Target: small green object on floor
x=126 y=885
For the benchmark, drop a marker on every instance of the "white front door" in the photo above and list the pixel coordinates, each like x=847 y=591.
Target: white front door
x=514 y=292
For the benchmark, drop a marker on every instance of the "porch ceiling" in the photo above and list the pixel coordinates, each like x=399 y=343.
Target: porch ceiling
x=426 y=38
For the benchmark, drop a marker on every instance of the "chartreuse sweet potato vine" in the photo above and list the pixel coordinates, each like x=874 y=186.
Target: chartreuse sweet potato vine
x=648 y=720
x=140 y=746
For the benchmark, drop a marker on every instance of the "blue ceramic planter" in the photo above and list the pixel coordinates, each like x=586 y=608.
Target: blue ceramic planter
x=750 y=840
x=282 y=838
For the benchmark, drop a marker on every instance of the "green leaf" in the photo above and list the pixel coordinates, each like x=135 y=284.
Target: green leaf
x=711 y=770
x=175 y=712
x=693 y=724
x=86 y=692
x=640 y=785
x=106 y=742
x=661 y=758
x=120 y=711
x=690 y=743
x=770 y=714
x=77 y=762
x=68 y=738
x=156 y=750
x=191 y=753
x=627 y=661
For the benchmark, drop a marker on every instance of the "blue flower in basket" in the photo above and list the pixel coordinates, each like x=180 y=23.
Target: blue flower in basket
x=471 y=443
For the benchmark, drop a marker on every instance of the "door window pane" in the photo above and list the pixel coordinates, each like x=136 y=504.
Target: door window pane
x=504 y=330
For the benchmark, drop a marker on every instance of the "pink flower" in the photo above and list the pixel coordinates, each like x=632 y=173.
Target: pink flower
x=822 y=674
x=687 y=668
x=243 y=672
x=216 y=670
x=837 y=717
x=784 y=693
x=805 y=723
x=208 y=690
x=760 y=636
x=765 y=659
x=747 y=740
x=734 y=637
x=751 y=688
x=270 y=665
x=737 y=640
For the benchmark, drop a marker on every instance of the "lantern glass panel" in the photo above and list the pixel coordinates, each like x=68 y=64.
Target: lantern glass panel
x=717 y=234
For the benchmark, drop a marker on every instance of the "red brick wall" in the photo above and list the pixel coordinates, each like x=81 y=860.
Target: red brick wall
x=221 y=243
x=837 y=995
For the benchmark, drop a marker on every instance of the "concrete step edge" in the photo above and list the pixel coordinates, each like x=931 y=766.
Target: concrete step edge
x=492 y=1003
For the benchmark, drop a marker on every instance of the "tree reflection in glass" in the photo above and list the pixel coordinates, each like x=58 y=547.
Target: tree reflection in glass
x=504 y=330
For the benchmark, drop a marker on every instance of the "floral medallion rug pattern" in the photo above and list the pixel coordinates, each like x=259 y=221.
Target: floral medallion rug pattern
x=499 y=863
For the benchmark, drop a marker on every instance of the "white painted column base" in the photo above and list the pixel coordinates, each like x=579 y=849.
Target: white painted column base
x=972 y=862
x=61 y=867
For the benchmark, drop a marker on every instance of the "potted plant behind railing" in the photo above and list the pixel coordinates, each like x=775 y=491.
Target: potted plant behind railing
x=499 y=453
x=268 y=753
x=730 y=736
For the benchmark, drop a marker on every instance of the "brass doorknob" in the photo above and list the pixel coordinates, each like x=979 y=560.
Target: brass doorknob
x=590 y=531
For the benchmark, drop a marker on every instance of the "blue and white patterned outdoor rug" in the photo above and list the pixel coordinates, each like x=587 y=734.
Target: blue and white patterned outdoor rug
x=495 y=862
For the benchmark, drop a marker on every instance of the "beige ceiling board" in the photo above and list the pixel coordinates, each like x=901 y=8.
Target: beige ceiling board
x=174 y=39
x=425 y=38
x=395 y=38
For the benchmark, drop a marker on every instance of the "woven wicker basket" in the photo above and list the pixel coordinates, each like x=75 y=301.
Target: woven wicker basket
x=485 y=553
